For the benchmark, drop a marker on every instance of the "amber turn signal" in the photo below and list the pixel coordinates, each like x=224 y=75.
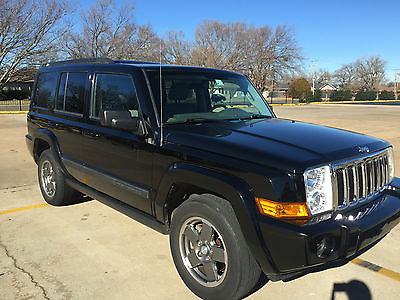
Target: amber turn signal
x=283 y=210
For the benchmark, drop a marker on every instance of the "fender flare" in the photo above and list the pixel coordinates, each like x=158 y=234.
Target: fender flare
x=234 y=190
x=50 y=138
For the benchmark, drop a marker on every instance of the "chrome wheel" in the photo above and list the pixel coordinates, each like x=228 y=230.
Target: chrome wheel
x=203 y=251
x=47 y=176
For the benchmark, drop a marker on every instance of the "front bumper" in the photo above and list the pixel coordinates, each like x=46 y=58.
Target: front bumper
x=294 y=248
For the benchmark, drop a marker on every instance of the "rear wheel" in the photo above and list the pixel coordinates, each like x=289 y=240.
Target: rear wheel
x=209 y=249
x=52 y=182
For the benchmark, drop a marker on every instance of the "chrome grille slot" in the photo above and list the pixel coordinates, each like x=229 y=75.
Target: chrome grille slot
x=359 y=179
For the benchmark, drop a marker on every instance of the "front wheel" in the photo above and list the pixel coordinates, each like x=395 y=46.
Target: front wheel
x=209 y=250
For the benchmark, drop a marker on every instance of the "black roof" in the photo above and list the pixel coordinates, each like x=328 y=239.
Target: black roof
x=137 y=63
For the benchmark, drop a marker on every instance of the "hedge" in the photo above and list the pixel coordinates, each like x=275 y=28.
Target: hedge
x=314 y=98
x=341 y=95
x=386 y=95
x=365 y=95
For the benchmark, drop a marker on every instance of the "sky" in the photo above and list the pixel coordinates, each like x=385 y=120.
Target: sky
x=331 y=32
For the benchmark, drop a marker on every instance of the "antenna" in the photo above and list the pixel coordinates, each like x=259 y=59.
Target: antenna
x=161 y=101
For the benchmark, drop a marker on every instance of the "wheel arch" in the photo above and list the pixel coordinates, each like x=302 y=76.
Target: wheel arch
x=183 y=180
x=44 y=139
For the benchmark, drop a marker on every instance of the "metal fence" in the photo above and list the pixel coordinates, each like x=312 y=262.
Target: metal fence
x=14 y=105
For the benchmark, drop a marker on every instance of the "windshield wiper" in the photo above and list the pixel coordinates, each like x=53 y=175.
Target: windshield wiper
x=256 y=117
x=193 y=120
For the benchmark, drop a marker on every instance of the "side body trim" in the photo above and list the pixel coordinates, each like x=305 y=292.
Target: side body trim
x=86 y=175
x=123 y=208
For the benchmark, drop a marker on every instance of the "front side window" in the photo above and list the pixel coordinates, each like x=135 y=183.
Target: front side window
x=45 y=89
x=114 y=92
x=71 y=92
x=191 y=95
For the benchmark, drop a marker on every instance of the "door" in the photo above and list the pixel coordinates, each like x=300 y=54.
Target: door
x=67 y=119
x=118 y=162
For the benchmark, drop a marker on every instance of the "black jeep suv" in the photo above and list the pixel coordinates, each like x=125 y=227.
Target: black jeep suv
x=199 y=154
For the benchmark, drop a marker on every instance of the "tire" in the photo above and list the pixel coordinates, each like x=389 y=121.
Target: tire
x=215 y=263
x=52 y=182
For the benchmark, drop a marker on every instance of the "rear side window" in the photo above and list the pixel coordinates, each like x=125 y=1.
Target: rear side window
x=45 y=89
x=114 y=92
x=71 y=92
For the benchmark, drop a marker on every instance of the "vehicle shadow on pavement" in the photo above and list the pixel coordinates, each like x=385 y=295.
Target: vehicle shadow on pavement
x=354 y=289
x=79 y=198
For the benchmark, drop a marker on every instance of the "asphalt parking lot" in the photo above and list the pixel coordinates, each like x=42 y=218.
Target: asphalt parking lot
x=89 y=251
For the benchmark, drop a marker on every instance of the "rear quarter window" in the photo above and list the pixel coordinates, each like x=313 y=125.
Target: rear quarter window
x=71 y=92
x=45 y=89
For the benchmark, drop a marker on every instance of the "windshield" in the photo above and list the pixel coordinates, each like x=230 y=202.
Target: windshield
x=204 y=96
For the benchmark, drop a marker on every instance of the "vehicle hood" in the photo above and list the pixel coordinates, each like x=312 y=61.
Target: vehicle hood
x=279 y=143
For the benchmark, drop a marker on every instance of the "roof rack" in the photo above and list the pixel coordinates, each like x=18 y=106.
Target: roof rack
x=135 y=62
x=100 y=60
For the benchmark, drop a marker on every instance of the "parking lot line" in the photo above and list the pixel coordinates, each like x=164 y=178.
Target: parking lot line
x=10 y=211
x=383 y=271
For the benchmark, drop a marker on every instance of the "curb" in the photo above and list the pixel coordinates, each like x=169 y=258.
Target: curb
x=13 y=112
x=333 y=102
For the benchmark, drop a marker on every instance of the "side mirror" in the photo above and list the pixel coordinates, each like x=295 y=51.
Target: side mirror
x=120 y=119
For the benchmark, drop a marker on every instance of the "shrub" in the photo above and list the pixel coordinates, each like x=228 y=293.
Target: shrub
x=365 y=95
x=341 y=95
x=386 y=95
x=314 y=98
x=299 y=88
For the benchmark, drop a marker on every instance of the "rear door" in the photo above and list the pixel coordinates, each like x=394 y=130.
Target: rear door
x=68 y=116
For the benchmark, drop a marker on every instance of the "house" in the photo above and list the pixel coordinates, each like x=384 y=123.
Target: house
x=326 y=89
x=280 y=92
x=21 y=80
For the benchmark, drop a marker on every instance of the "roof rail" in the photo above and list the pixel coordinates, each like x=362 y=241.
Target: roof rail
x=94 y=60
x=135 y=62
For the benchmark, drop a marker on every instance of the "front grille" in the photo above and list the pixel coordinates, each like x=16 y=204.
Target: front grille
x=357 y=180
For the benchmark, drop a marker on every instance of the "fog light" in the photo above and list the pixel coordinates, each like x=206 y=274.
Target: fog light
x=324 y=247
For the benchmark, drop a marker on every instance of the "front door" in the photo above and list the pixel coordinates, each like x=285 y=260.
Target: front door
x=118 y=162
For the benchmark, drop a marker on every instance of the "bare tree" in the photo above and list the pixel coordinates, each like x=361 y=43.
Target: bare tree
x=323 y=76
x=28 y=30
x=263 y=54
x=271 y=55
x=346 y=77
x=370 y=72
x=177 y=50
x=103 y=32
x=110 y=31
x=143 y=44
x=220 y=45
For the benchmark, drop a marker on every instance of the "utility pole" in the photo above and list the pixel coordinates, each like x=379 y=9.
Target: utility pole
x=273 y=79
x=395 y=83
x=313 y=77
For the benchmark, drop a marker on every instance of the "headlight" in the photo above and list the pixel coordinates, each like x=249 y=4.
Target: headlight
x=318 y=187
x=391 y=164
